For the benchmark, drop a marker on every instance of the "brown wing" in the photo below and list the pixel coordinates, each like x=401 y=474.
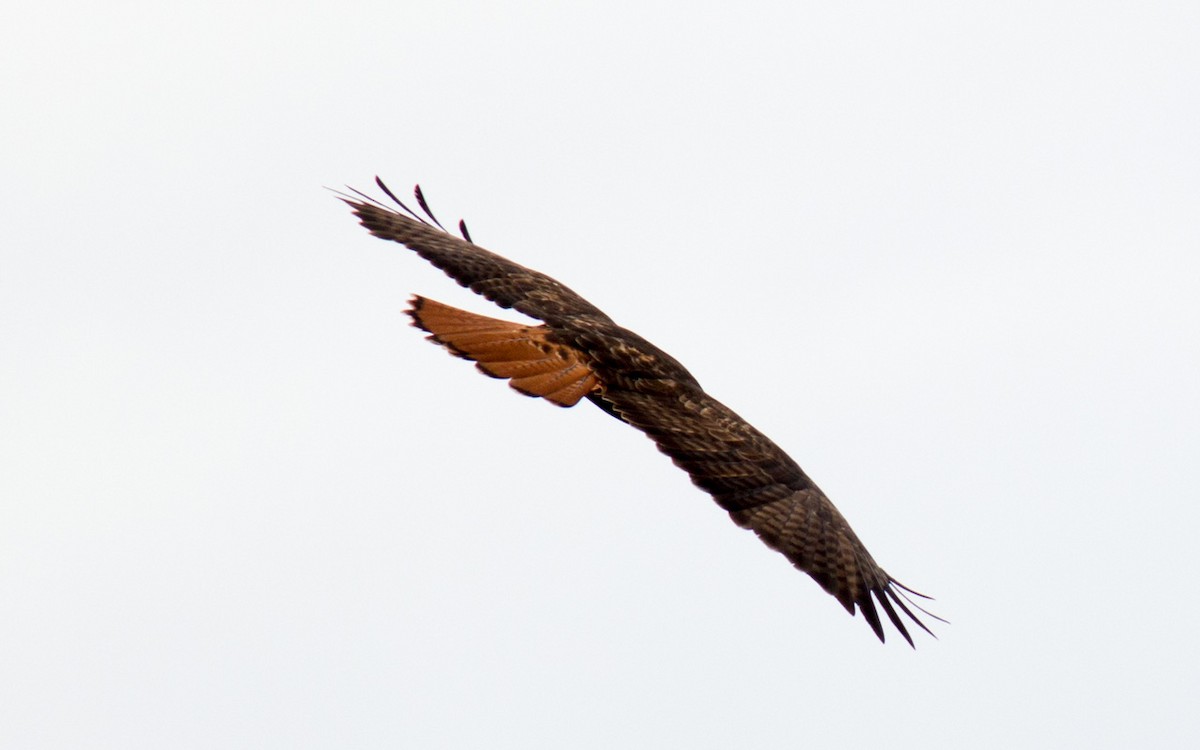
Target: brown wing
x=497 y=279
x=581 y=352
x=766 y=491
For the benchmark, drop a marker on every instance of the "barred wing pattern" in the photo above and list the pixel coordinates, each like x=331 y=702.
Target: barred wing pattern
x=580 y=352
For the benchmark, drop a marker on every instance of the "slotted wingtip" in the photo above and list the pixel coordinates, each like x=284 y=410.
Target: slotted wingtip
x=362 y=205
x=890 y=597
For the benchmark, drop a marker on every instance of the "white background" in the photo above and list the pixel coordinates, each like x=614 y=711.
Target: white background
x=943 y=253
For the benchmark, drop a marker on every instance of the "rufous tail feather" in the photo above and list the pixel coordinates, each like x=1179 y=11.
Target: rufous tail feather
x=534 y=365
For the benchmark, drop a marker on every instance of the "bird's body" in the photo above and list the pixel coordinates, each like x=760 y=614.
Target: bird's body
x=579 y=352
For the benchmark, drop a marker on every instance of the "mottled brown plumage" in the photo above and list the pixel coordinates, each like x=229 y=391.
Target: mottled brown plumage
x=579 y=351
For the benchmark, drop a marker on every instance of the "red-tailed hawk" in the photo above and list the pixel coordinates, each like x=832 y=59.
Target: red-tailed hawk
x=579 y=352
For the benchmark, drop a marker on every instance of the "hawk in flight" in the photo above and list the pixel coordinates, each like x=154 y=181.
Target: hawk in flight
x=579 y=352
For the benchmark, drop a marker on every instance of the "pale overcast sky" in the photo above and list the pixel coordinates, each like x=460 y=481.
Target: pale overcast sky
x=945 y=254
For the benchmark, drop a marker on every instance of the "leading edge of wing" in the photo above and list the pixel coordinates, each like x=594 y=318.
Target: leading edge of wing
x=498 y=279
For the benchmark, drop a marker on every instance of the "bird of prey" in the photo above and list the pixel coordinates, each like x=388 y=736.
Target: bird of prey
x=579 y=352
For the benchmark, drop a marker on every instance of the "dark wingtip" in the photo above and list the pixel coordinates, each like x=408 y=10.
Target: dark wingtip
x=898 y=594
x=890 y=596
x=881 y=595
x=388 y=192
x=894 y=595
x=867 y=607
x=362 y=204
x=425 y=207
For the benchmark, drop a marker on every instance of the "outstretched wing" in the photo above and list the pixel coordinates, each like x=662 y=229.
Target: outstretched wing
x=764 y=490
x=580 y=351
x=495 y=278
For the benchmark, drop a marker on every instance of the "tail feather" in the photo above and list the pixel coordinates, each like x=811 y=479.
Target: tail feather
x=534 y=365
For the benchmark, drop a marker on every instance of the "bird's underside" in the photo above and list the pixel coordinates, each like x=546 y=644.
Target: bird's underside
x=579 y=352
